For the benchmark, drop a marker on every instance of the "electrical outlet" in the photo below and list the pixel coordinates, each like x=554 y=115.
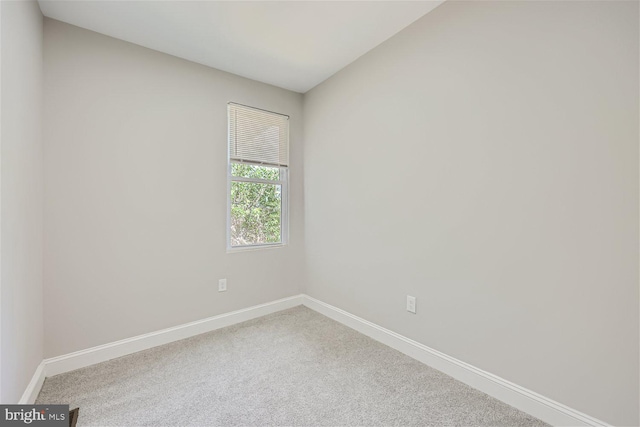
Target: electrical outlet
x=411 y=304
x=222 y=285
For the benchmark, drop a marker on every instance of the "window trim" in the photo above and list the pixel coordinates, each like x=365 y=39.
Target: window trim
x=284 y=206
x=283 y=181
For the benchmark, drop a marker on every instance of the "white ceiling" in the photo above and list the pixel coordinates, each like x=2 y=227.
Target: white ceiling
x=291 y=44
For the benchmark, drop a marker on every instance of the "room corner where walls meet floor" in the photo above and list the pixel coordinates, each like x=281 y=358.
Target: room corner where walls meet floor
x=532 y=403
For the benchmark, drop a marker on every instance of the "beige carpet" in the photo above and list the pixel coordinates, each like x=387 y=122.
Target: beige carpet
x=295 y=367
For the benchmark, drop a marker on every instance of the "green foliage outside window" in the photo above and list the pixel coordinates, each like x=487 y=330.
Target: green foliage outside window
x=255 y=207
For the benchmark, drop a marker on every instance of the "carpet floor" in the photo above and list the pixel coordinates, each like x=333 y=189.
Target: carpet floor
x=292 y=368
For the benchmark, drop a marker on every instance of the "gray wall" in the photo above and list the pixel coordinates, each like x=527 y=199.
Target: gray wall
x=21 y=192
x=485 y=160
x=135 y=192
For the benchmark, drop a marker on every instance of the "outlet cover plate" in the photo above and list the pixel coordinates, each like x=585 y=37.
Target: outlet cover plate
x=411 y=304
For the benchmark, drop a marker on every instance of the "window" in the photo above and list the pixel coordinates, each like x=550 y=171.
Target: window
x=257 y=175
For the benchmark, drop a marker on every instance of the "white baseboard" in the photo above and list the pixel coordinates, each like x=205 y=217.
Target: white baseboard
x=519 y=397
x=31 y=393
x=102 y=353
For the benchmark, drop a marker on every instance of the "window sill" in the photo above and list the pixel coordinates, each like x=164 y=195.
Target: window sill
x=254 y=248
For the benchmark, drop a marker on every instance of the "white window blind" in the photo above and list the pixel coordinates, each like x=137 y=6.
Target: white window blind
x=258 y=136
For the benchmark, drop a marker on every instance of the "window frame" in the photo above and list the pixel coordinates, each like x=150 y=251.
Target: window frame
x=283 y=181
